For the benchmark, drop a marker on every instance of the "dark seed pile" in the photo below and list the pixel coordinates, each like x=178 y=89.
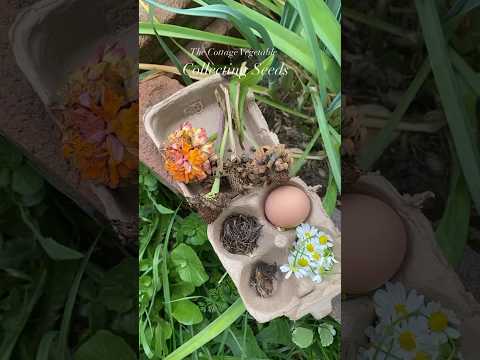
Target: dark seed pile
x=262 y=278
x=240 y=234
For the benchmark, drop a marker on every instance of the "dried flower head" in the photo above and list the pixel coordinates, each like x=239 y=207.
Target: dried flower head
x=98 y=119
x=188 y=154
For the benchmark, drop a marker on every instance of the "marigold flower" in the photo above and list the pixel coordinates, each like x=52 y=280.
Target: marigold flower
x=99 y=119
x=188 y=154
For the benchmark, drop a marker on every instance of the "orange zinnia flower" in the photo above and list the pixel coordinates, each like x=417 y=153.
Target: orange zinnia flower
x=187 y=154
x=99 y=120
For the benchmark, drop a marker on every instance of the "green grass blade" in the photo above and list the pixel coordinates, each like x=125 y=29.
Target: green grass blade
x=448 y=87
x=173 y=58
x=165 y=280
x=293 y=45
x=62 y=347
x=10 y=339
x=330 y=199
x=453 y=230
x=43 y=352
x=214 y=329
x=298 y=164
x=305 y=11
x=462 y=7
x=271 y=6
x=196 y=59
x=325 y=25
x=243 y=24
x=181 y=32
x=331 y=151
x=468 y=74
x=371 y=153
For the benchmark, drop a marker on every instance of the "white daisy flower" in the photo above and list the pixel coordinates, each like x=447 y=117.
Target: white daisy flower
x=328 y=260
x=394 y=302
x=293 y=268
x=306 y=232
x=411 y=337
x=440 y=321
x=324 y=241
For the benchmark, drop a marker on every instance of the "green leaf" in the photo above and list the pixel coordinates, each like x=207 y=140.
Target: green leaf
x=243 y=343
x=326 y=332
x=302 y=337
x=328 y=143
x=70 y=303
x=448 y=88
x=188 y=265
x=325 y=24
x=53 y=249
x=182 y=290
x=292 y=45
x=186 y=312
x=117 y=289
x=195 y=229
x=330 y=199
x=105 y=345
x=213 y=329
x=181 y=32
x=277 y=332
x=43 y=352
x=26 y=181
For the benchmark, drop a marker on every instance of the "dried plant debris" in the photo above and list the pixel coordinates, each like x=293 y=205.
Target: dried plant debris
x=209 y=208
x=263 y=277
x=240 y=234
x=269 y=165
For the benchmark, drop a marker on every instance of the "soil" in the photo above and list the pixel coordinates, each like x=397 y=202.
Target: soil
x=240 y=234
x=263 y=277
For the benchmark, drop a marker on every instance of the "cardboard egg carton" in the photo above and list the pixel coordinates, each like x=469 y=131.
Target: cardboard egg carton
x=292 y=297
x=50 y=40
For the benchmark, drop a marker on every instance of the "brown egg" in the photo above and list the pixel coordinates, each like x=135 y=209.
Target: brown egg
x=374 y=243
x=287 y=206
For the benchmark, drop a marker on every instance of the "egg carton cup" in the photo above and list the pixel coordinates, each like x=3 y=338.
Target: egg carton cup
x=53 y=38
x=291 y=297
x=198 y=105
x=424 y=269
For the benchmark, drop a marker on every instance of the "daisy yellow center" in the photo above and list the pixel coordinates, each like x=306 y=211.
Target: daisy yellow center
x=438 y=321
x=316 y=256
x=323 y=239
x=308 y=235
x=310 y=247
x=421 y=356
x=407 y=341
x=303 y=262
x=401 y=310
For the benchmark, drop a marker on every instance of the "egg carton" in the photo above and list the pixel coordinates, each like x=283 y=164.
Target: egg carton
x=292 y=297
x=53 y=38
x=198 y=105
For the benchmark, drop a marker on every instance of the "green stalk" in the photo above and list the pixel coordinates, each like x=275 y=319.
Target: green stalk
x=214 y=329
